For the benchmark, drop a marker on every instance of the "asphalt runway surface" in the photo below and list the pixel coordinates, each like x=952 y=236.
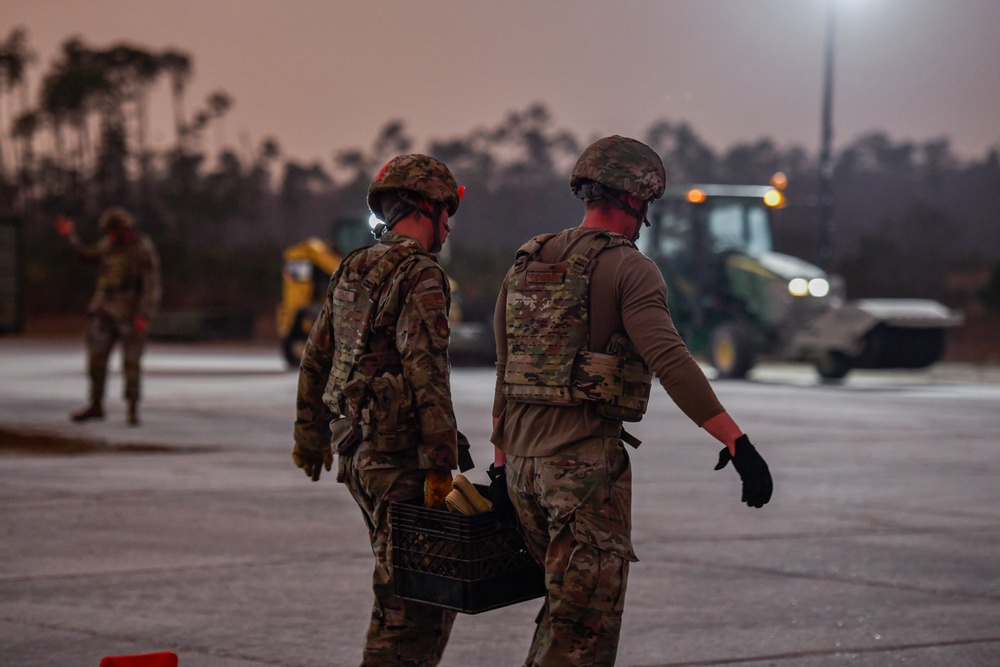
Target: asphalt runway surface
x=194 y=533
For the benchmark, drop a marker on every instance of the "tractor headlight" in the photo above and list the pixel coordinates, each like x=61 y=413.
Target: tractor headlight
x=798 y=287
x=819 y=287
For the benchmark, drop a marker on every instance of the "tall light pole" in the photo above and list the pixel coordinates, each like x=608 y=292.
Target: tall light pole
x=825 y=157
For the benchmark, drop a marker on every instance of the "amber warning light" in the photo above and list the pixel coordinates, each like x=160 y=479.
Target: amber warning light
x=695 y=196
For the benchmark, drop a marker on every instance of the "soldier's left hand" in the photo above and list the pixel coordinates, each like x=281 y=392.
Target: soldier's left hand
x=498 y=491
x=311 y=461
x=753 y=471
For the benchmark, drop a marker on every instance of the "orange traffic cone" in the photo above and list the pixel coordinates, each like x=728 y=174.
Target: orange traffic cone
x=165 y=659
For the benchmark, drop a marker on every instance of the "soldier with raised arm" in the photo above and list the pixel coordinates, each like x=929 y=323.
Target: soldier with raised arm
x=126 y=296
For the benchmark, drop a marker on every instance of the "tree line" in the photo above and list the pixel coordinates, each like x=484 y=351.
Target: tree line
x=908 y=214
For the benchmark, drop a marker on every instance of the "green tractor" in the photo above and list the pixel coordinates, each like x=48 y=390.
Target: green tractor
x=733 y=298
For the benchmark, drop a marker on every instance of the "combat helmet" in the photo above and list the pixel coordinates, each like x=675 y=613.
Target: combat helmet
x=618 y=163
x=117 y=218
x=422 y=175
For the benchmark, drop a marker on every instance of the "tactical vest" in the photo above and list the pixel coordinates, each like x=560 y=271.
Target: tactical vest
x=548 y=335
x=366 y=378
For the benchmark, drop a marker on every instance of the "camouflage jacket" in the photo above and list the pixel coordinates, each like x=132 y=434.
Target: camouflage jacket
x=128 y=276
x=410 y=325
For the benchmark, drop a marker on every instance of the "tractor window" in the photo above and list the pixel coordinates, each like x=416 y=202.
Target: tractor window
x=674 y=235
x=670 y=235
x=739 y=225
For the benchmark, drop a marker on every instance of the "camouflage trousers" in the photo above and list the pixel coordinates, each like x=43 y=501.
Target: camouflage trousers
x=576 y=518
x=102 y=334
x=401 y=632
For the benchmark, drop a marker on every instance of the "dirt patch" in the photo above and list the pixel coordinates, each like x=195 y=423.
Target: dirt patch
x=47 y=444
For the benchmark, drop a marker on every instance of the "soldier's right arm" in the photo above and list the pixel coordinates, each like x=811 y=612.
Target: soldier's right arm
x=89 y=253
x=646 y=318
x=312 y=417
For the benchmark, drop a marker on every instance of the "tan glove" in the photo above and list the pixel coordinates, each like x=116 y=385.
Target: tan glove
x=437 y=486
x=311 y=461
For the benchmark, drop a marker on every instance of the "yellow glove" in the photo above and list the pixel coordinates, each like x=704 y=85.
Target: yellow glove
x=311 y=461
x=437 y=486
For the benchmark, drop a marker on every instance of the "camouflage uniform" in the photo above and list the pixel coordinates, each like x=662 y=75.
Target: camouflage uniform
x=575 y=513
x=565 y=306
x=128 y=286
x=385 y=383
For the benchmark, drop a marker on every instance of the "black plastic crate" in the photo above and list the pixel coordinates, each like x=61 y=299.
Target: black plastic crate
x=469 y=564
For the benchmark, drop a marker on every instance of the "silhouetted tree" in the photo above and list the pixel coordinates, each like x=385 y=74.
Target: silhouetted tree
x=177 y=65
x=15 y=56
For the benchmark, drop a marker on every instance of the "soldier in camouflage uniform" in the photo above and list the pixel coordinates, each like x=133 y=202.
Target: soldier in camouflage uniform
x=374 y=386
x=581 y=325
x=127 y=294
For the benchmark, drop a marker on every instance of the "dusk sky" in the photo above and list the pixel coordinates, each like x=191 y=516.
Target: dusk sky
x=325 y=75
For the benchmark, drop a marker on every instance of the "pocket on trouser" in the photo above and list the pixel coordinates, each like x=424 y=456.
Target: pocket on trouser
x=597 y=570
x=344 y=466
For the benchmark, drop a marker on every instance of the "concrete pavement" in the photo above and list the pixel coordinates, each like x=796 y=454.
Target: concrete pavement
x=880 y=547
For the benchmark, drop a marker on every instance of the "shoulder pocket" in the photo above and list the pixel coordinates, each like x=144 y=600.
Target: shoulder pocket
x=432 y=303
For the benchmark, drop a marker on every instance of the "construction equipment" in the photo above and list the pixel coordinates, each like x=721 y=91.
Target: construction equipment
x=308 y=267
x=306 y=276
x=732 y=297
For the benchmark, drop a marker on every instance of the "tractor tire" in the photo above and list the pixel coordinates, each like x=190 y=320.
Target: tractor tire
x=294 y=344
x=292 y=348
x=731 y=351
x=832 y=365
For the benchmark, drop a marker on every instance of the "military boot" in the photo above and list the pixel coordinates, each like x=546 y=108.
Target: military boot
x=92 y=411
x=133 y=413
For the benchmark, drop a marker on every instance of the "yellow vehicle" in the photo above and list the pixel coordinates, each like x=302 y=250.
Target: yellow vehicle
x=306 y=275
x=307 y=269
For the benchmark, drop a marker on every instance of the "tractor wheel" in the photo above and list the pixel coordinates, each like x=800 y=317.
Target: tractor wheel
x=731 y=351
x=833 y=365
x=292 y=347
x=295 y=342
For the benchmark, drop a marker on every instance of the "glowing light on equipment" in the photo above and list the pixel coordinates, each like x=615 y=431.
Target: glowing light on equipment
x=773 y=198
x=779 y=180
x=798 y=287
x=695 y=196
x=819 y=287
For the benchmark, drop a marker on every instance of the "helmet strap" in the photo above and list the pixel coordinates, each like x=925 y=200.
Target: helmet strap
x=593 y=191
x=406 y=205
x=438 y=243
x=400 y=210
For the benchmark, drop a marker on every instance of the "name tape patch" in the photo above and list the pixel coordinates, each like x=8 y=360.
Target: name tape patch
x=342 y=294
x=546 y=276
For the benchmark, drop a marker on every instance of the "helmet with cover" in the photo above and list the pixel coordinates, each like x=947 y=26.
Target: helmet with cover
x=421 y=175
x=618 y=163
x=115 y=219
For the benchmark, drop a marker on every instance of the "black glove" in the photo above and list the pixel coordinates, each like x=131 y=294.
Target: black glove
x=498 y=490
x=757 y=484
x=312 y=461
